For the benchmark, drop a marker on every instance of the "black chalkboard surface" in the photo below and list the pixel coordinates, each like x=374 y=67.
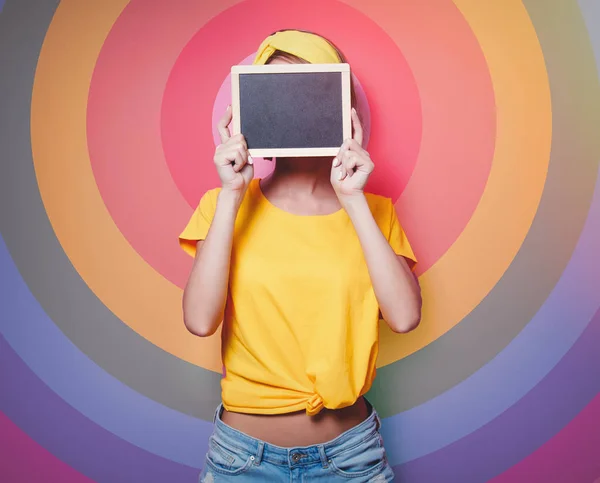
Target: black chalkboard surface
x=292 y=109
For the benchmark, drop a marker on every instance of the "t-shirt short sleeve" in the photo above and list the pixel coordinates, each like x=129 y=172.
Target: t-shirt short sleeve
x=397 y=238
x=197 y=227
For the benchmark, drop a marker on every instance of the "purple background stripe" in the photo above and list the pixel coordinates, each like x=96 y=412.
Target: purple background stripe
x=517 y=369
x=92 y=391
x=524 y=427
x=73 y=438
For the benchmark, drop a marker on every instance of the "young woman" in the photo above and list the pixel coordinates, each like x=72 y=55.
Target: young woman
x=299 y=267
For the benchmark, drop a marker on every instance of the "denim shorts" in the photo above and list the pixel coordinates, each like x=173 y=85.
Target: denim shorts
x=357 y=455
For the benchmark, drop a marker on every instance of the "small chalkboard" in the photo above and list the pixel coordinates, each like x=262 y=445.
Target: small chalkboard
x=292 y=109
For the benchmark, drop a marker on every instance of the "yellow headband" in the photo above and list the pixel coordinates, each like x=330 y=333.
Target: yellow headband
x=309 y=47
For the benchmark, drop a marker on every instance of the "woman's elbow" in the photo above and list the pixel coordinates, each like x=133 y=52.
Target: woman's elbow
x=407 y=319
x=406 y=323
x=196 y=320
x=199 y=327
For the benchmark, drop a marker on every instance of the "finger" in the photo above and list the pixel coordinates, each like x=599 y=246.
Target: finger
x=243 y=151
x=353 y=146
x=338 y=161
x=350 y=163
x=358 y=130
x=241 y=158
x=242 y=141
x=246 y=153
x=350 y=155
x=343 y=148
x=343 y=172
x=335 y=168
x=247 y=172
x=233 y=154
x=239 y=139
x=350 y=160
x=362 y=160
x=224 y=133
x=238 y=163
x=227 y=153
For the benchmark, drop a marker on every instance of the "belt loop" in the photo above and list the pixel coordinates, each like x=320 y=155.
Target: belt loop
x=217 y=412
x=259 y=453
x=377 y=420
x=375 y=417
x=323 y=456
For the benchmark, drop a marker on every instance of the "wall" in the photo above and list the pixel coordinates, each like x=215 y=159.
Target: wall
x=484 y=120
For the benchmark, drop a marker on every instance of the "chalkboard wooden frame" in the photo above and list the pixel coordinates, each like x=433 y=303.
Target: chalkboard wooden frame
x=278 y=69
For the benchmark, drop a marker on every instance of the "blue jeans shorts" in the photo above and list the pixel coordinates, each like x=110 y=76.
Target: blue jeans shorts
x=357 y=456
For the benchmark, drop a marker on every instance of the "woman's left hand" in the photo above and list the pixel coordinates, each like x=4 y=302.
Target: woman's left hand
x=352 y=166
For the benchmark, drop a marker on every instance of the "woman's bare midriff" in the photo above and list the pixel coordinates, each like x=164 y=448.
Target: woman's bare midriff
x=297 y=428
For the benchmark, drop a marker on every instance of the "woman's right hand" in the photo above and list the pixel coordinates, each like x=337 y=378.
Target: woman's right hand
x=233 y=162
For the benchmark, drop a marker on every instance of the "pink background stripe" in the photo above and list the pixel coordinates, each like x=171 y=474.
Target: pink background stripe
x=572 y=456
x=23 y=460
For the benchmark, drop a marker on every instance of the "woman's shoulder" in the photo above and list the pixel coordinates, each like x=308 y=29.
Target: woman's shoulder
x=208 y=201
x=379 y=204
x=211 y=194
x=375 y=198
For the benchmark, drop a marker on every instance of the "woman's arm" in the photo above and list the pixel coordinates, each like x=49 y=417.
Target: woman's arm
x=205 y=293
x=395 y=286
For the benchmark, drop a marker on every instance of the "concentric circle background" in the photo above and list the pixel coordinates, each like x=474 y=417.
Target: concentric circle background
x=484 y=124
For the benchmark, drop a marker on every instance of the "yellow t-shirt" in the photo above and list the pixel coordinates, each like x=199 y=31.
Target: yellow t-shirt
x=300 y=329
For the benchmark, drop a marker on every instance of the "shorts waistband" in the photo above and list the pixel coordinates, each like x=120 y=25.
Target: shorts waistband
x=299 y=455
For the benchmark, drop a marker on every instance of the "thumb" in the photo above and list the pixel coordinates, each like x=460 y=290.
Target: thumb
x=247 y=172
x=336 y=169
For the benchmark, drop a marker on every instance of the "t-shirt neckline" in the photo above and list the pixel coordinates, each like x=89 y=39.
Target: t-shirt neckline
x=275 y=208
